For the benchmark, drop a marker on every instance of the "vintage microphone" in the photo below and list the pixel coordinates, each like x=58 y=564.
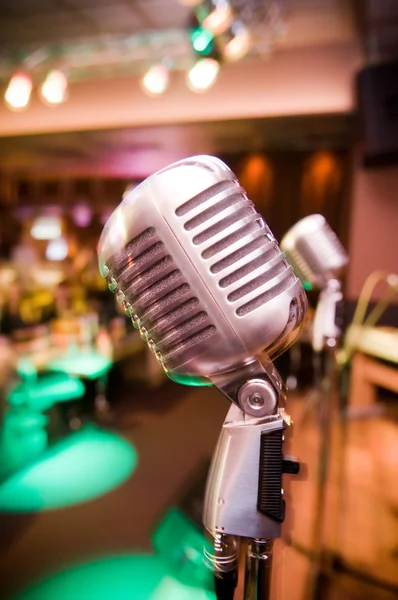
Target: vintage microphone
x=205 y=282
x=318 y=258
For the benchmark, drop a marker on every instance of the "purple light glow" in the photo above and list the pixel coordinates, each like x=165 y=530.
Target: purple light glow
x=82 y=215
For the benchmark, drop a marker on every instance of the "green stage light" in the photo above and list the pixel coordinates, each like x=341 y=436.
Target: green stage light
x=202 y=40
x=81 y=467
x=132 y=577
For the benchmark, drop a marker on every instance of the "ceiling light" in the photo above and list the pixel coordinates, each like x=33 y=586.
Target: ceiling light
x=18 y=92
x=215 y=15
x=189 y=2
x=156 y=80
x=55 y=87
x=202 y=40
x=237 y=41
x=203 y=74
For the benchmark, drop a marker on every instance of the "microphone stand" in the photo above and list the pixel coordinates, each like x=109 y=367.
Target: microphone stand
x=325 y=338
x=244 y=494
x=258 y=569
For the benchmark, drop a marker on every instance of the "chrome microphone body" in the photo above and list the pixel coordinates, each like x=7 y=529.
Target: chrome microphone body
x=314 y=250
x=203 y=279
x=318 y=258
x=199 y=271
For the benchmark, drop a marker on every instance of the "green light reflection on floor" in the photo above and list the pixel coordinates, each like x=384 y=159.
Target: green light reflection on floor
x=81 y=467
x=132 y=577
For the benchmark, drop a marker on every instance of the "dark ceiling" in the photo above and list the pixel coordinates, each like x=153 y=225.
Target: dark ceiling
x=28 y=26
x=31 y=25
x=26 y=23
x=377 y=22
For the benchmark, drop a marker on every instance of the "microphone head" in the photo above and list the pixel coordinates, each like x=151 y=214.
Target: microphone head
x=199 y=272
x=314 y=250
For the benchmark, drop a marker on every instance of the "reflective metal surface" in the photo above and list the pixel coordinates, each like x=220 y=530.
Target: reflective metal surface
x=199 y=271
x=258 y=570
x=233 y=482
x=314 y=250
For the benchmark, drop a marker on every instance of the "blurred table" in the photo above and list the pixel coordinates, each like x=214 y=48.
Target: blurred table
x=367 y=374
x=86 y=363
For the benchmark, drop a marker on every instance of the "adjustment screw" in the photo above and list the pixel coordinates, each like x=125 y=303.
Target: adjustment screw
x=257 y=398
x=256 y=401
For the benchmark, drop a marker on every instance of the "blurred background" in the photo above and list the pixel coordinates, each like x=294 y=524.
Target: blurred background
x=102 y=458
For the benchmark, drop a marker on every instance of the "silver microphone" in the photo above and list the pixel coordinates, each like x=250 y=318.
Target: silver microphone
x=314 y=250
x=318 y=258
x=203 y=279
x=199 y=272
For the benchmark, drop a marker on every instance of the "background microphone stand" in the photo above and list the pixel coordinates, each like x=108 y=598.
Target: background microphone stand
x=325 y=341
x=318 y=257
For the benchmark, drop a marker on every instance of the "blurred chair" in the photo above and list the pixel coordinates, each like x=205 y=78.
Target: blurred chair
x=24 y=431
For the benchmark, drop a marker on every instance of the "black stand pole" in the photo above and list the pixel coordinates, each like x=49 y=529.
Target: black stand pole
x=258 y=570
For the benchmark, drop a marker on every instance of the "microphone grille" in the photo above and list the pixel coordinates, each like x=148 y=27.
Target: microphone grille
x=238 y=245
x=198 y=270
x=314 y=250
x=157 y=298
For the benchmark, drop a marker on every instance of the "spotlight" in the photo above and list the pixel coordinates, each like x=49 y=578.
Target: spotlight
x=156 y=80
x=237 y=41
x=55 y=87
x=18 y=92
x=203 y=74
x=215 y=15
x=202 y=39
